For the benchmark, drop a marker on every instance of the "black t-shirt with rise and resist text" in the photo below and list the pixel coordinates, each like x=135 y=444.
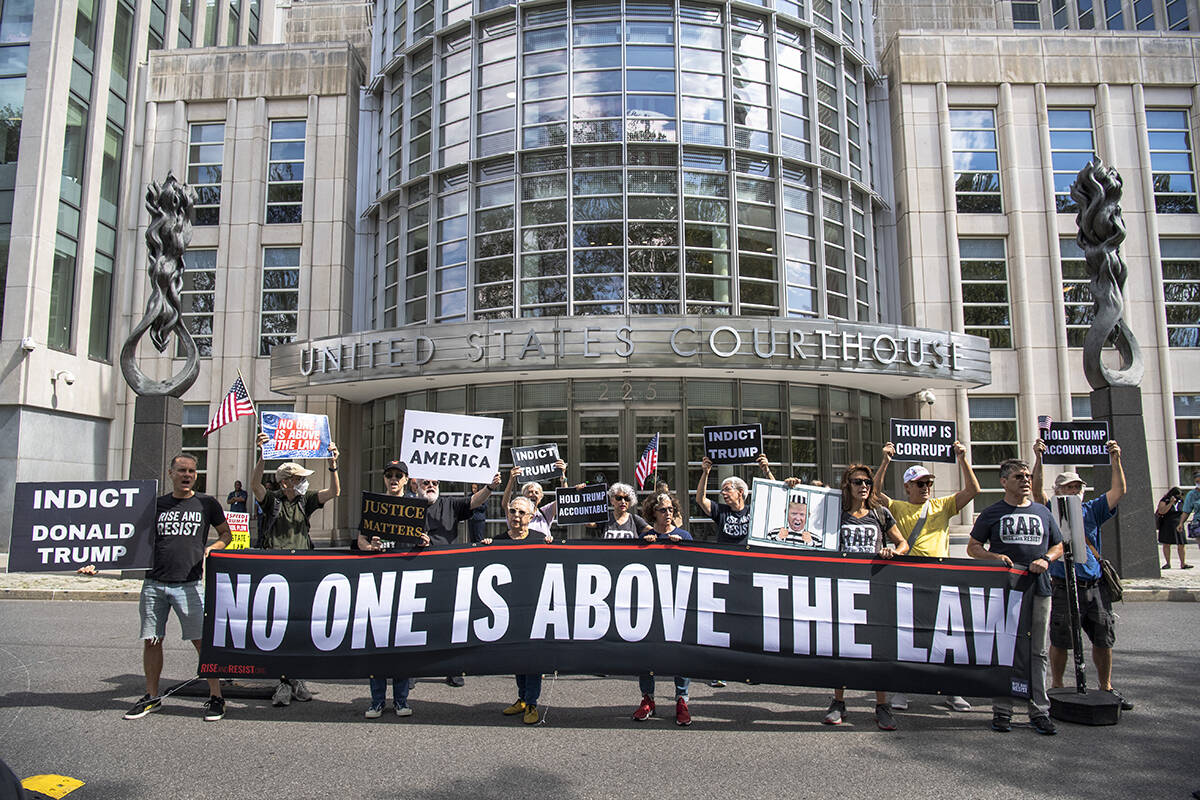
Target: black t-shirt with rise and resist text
x=180 y=534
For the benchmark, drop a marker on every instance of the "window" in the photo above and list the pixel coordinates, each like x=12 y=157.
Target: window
x=976 y=160
x=206 y=152
x=195 y=443
x=985 y=290
x=285 y=172
x=210 y=23
x=417 y=260
x=1143 y=14
x=1087 y=19
x=1171 y=161
x=493 y=241
x=706 y=232
x=1078 y=306
x=454 y=134
x=1177 y=15
x=1181 y=290
x=420 y=110
x=1072 y=146
x=197 y=299
x=1187 y=435
x=993 y=440
x=1058 y=14
x=450 y=291
x=1026 y=14
x=280 y=297
x=1115 y=18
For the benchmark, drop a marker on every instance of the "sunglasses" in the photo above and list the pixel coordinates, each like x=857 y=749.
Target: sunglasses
x=622 y=498
x=428 y=483
x=923 y=484
x=665 y=508
x=862 y=482
x=396 y=475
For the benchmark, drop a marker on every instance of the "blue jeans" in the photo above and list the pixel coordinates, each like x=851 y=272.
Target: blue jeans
x=646 y=684
x=529 y=688
x=379 y=691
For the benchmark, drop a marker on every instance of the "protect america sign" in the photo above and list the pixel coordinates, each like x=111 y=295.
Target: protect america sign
x=451 y=447
x=621 y=608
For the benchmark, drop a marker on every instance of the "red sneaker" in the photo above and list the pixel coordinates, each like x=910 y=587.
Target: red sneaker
x=682 y=715
x=645 y=710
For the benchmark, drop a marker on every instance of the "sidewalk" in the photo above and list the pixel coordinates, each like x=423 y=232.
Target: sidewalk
x=1174 y=585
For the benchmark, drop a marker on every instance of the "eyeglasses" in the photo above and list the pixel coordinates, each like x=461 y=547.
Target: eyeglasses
x=862 y=482
x=520 y=512
x=924 y=484
x=622 y=498
x=665 y=508
x=428 y=483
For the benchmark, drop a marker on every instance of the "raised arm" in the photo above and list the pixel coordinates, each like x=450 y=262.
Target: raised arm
x=765 y=466
x=1039 y=493
x=256 y=484
x=335 y=486
x=481 y=497
x=513 y=474
x=1117 y=490
x=889 y=450
x=971 y=487
x=702 y=487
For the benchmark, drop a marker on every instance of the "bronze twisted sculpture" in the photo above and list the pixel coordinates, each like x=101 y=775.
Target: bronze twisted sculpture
x=1097 y=190
x=167 y=237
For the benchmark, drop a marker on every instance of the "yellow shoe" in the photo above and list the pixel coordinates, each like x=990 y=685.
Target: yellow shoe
x=531 y=715
x=515 y=708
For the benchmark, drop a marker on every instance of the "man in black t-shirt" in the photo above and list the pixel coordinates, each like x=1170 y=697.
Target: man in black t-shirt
x=1020 y=532
x=173 y=582
x=733 y=515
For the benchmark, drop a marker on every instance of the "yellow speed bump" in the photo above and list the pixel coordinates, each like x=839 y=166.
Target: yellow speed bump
x=56 y=786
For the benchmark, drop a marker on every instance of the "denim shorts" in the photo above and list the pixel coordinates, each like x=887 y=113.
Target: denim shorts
x=158 y=599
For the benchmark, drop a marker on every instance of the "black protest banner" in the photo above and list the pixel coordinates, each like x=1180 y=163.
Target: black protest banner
x=1076 y=443
x=395 y=520
x=924 y=440
x=63 y=526
x=622 y=608
x=578 y=506
x=537 y=462
x=733 y=444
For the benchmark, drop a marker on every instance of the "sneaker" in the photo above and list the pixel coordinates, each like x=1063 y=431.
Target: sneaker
x=683 y=717
x=516 y=708
x=1186 y=566
x=1042 y=724
x=1001 y=723
x=717 y=683
x=1167 y=565
x=403 y=711
x=957 y=703
x=645 y=710
x=374 y=712
x=899 y=702
x=456 y=681
x=884 y=718
x=143 y=707
x=283 y=694
x=1125 y=704
x=836 y=714
x=530 y=717
x=300 y=692
x=214 y=709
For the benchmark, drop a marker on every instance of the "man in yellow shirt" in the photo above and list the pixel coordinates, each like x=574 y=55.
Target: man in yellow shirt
x=924 y=521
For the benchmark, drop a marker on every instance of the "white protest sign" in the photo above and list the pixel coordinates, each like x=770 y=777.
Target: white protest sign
x=451 y=447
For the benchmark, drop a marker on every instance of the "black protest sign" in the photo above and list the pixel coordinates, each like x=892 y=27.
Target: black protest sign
x=577 y=506
x=1076 y=443
x=622 y=608
x=537 y=462
x=733 y=444
x=64 y=526
x=395 y=520
x=924 y=440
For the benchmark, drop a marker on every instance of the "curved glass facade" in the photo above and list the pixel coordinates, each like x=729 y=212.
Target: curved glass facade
x=620 y=158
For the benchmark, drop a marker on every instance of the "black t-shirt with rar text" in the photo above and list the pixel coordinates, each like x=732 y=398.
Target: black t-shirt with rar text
x=1023 y=533
x=180 y=533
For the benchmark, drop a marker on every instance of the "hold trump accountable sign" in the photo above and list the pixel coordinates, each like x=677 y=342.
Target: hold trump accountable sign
x=905 y=625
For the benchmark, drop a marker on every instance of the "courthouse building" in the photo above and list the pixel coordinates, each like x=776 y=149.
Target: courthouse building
x=599 y=220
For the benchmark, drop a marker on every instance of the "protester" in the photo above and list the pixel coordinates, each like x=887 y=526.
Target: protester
x=1095 y=606
x=662 y=510
x=237 y=498
x=290 y=508
x=543 y=516
x=182 y=520
x=519 y=512
x=622 y=522
x=477 y=522
x=1191 y=505
x=1016 y=529
x=866 y=527
x=395 y=479
x=1170 y=532
x=924 y=522
x=733 y=515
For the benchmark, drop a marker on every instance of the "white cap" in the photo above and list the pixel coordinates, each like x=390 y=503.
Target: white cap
x=914 y=473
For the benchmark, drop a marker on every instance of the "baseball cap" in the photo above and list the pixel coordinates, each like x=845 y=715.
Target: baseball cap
x=292 y=470
x=915 y=473
x=1067 y=477
x=396 y=464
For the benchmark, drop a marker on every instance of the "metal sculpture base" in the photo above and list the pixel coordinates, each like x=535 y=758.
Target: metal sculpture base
x=1129 y=542
x=1096 y=707
x=157 y=437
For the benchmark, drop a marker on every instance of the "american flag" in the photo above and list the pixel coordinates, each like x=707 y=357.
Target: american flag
x=647 y=463
x=235 y=405
x=1044 y=422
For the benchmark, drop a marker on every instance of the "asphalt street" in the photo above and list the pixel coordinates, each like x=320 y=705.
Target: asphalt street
x=69 y=670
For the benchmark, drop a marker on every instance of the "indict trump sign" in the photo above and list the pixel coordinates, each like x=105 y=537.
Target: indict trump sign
x=63 y=526
x=451 y=447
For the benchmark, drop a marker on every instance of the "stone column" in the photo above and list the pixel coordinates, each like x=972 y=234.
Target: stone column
x=157 y=437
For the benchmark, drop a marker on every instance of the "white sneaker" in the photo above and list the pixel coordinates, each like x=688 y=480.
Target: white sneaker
x=374 y=712
x=958 y=703
x=283 y=694
x=899 y=702
x=403 y=711
x=301 y=692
